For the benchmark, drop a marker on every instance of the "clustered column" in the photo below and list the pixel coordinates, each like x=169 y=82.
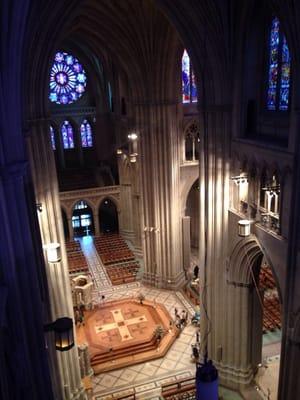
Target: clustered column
x=46 y=189
x=157 y=127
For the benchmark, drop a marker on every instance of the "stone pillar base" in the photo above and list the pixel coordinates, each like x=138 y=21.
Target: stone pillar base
x=235 y=378
x=172 y=283
x=138 y=251
x=127 y=235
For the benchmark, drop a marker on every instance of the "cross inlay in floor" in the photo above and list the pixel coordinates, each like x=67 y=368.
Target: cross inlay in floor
x=121 y=324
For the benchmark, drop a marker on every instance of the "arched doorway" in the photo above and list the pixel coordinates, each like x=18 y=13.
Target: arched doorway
x=108 y=216
x=270 y=322
x=191 y=243
x=192 y=210
x=65 y=224
x=253 y=290
x=82 y=219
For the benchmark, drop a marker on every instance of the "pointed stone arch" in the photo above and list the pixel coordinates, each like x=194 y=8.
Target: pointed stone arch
x=244 y=256
x=244 y=348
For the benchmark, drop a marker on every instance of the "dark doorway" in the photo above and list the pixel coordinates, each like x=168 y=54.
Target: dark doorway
x=108 y=217
x=192 y=210
x=82 y=219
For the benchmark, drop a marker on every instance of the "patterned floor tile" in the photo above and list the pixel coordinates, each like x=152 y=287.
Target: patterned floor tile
x=128 y=375
x=149 y=370
x=108 y=381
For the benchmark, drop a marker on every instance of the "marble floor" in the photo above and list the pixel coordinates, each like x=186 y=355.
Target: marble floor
x=267 y=377
x=144 y=379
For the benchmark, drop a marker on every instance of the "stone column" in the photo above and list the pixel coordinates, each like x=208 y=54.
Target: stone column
x=157 y=127
x=26 y=372
x=214 y=179
x=289 y=383
x=71 y=230
x=126 y=220
x=85 y=362
x=96 y=223
x=46 y=189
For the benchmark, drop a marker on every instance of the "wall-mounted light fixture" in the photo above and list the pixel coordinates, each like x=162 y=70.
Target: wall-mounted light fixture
x=151 y=229
x=119 y=151
x=53 y=252
x=271 y=189
x=133 y=157
x=244 y=227
x=240 y=179
x=39 y=207
x=63 y=331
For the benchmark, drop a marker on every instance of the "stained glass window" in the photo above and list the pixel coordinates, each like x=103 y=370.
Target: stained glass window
x=52 y=138
x=86 y=134
x=279 y=70
x=110 y=98
x=189 y=88
x=67 y=135
x=67 y=79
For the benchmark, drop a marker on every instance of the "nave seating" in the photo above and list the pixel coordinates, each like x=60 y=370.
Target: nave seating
x=76 y=259
x=266 y=278
x=271 y=318
x=183 y=389
x=112 y=249
x=122 y=273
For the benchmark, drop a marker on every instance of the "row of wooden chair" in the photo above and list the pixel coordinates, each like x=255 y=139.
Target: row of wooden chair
x=76 y=260
x=125 y=273
x=113 y=249
x=266 y=278
x=182 y=389
x=187 y=395
x=272 y=317
x=72 y=245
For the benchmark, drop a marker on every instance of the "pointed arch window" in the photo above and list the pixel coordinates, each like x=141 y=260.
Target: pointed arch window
x=86 y=134
x=67 y=135
x=192 y=134
x=189 y=88
x=52 y=138
x=279 y=69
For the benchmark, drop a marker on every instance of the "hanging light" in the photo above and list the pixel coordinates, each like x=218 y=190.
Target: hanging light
x=244 y=227
x=132 y=136
x=53 y=252
x=63 y=331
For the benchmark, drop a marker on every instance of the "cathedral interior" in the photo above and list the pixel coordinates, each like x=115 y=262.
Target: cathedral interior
x=149 y=177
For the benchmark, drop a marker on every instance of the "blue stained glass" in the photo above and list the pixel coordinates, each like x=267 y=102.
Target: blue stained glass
x=285 y=77
x=110 y=98
x=275 y=33
x=193 y=88
x=279 y=77
x=67 y=79
x=67 y=135
x=285 y=51
x=86 y=134
x=189 y=87
x=52 y=138
x=272 y=99
x=273 y=64
x=186 y=95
